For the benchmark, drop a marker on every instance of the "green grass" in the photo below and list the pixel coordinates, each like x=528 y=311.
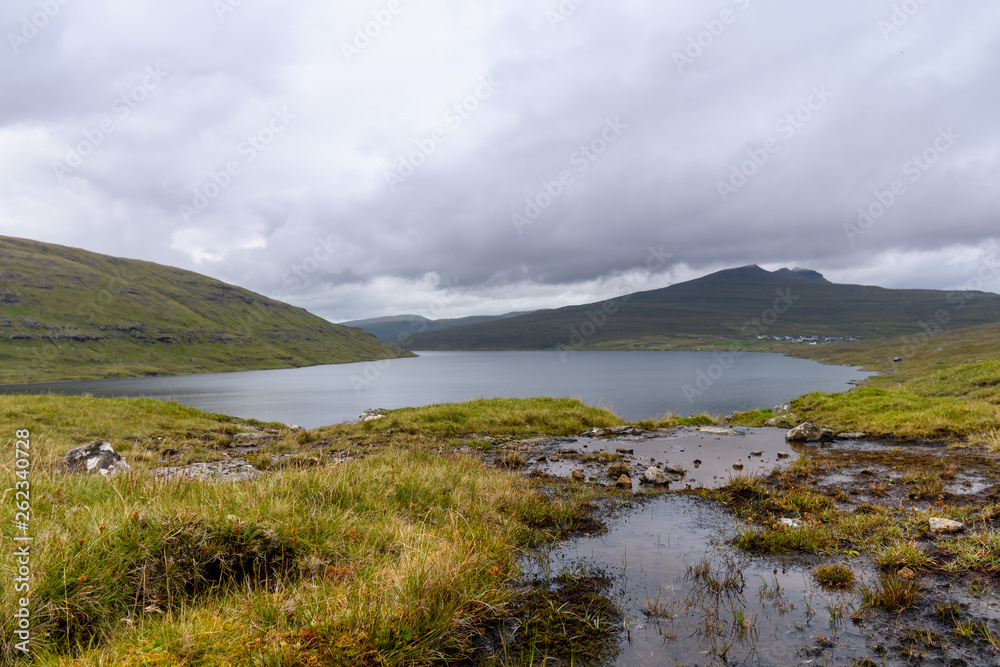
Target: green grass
x=398 y=557
x=69 y=314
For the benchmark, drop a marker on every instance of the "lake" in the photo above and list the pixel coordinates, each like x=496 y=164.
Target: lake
x=635 y=385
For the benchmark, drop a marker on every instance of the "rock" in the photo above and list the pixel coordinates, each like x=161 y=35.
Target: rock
x=806 y=432
x=851 y=436
x=756 y=453
x=674 y=469
x=782 y=409
x=655 y=476
x=697 y=462
x=578 y=474
x=896 y=360
x=252 y=437
x=737 y=466
x=784 y=455
x=622 y=450
x=717 y=430
x=624 y=482
x=791 y=523
x=906 y=573
x=230 y=470
x=939 y=525
x=613 y=431
x=371 y=414
x=295 y=428
x=94 y=457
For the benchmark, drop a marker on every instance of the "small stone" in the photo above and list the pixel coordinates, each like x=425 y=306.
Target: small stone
x=624 y=482
x=906 y=573
x=791 y=523
x=371 y=414
x=756 y=453
x=578 y=474
x=697 y=462
x=737 y=466
x=674 y=469
x=782 y=409
x=784 y=455
x=939 y=525
x=621 y=450
x=851 y=436
x=541 y=459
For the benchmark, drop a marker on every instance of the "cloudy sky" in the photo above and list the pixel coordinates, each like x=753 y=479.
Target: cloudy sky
x=447 y=158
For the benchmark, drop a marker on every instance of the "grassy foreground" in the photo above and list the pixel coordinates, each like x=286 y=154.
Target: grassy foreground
x=397 y=556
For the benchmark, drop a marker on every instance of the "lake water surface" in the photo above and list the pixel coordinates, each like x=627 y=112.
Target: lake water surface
x=635 y=385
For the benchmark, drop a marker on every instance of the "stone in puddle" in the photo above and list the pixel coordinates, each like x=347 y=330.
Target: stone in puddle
x=624 y=482
x=674 y=469
x=806 y=432
x=737 y=466
x=578 y=474
x=654 y=475
x=784 y=455
x=94 y=457
x=756 y=453
x=939 y=525
x=851 y=436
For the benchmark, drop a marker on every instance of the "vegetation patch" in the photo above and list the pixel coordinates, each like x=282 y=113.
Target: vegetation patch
x=569 y=620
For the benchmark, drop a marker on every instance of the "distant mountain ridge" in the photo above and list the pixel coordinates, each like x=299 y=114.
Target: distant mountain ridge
x=69 y=313
x=399 y=328
x=734 y=304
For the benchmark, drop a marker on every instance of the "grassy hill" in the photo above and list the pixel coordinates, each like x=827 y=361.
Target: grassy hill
x=946 y=385
x=67 y=313
x=736 y=305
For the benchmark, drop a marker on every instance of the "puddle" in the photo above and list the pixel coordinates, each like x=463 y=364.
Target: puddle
x=689 y=599
x=707 y=455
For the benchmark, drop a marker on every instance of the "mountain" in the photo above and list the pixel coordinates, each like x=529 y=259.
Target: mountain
x=68 y=313
x=398 y=327
x=738 y=304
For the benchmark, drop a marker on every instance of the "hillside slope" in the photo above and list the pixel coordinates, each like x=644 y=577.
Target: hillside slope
x=736 y=304
x=69 y=313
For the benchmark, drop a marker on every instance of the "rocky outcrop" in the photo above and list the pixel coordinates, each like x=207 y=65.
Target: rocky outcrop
x=97 y=457
x=807 y=432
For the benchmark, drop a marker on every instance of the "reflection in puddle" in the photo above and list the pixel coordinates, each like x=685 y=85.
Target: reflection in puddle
x=688 y=599
x=709 y=456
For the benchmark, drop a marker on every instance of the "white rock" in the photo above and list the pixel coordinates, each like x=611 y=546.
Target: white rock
x=806 y=432
x=654 y=475
x=939 y=525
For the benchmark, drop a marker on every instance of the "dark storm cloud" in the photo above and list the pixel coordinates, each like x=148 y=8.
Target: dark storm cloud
x=385 y=157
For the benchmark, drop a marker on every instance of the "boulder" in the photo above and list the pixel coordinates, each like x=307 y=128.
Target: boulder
x=806 y=432
x=655 y=476
x=939 y=525
x=94 y=457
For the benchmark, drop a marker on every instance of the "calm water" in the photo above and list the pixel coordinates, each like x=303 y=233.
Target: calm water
x=635 y=385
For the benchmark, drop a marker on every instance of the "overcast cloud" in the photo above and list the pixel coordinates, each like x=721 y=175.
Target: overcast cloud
x=475 y=158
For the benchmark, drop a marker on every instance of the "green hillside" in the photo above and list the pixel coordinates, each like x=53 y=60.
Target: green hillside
x=736 y=305
x=67 y=313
